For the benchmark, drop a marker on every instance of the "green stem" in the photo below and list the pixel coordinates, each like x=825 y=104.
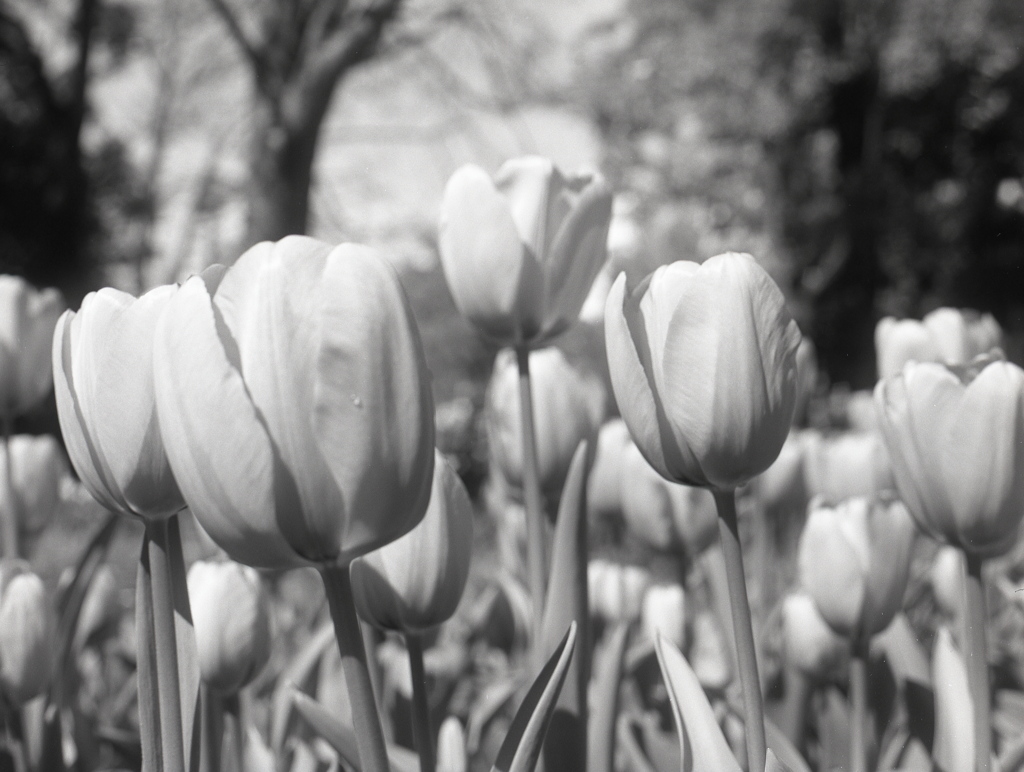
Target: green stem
x=165 y=639
x=976 y=649
x=365 y=719
x=421 y=731
x=859 y=700
x=233 y=708
x=212 y=739
x=794 y=708
x=376 y=677
x=10 y=516
x=746 y=657
x=535 y=548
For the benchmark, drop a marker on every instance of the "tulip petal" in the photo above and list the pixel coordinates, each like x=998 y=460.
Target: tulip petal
x=900 y=341
x=482 y=253
x=890 y=532
x=837 y=584
x=531 y=187
x=34 y=373
x=987 y=491
x=235 y=487
x=373 y=410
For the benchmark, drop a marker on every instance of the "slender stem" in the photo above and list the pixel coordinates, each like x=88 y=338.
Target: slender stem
x=976 y=649
x=212 y=738
x=421 y=731
x=859 y=719
x=746 y=657
x=365 y=719
x=535 y=547
x=169 y=696
x=233 y=707
x=12 y=515
x=376 y=678
x=794 y=709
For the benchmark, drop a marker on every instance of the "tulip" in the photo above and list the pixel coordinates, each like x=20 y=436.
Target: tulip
x=860 y=411
x=841 y=466
x=945 y=335
x=415 y=583
x=521 y=252
x=616 y=591
x=26 y=631
x=947 y=580
x=664 y=611
x=810 y=644
x=231 y=615
x=103 y=378
x=37 y=471
x=569 y=405
x=296 y=409
x=665 y=515
x=604 y=485
x=703 y=365
x=27 y=319
x=855 y=561
x=806 y=378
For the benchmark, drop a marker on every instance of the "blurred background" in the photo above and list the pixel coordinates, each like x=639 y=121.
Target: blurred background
x=870 y=154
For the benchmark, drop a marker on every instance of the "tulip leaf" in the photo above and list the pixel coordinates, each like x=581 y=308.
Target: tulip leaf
x=953 y=750
x=905 y=655
x=601 y=731
x=701 y=742
x=491 y=700
x=784 y=751
x=772 y=763
x=342 y=737
x=522 y=746
x=296 y=676
x=566 y=602
x=1012 y=757
x=636 y=760
x=451 y=747
x=188 y=653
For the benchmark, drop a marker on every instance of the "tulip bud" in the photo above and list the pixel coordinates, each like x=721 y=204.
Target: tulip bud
x=27 y=319
x=709 y=652
x=806 y=378
x=103 y=378
x=100 y=608
x=854 y=562
x=26 y=633
x=844 y=465
x=231 y=615
x=947 y=580
x=703 y=364
x=664 y=611
x=604 y=485
x=811 y=646
x=860 y=411
x=956 y=440
x=295 y=404
x=416 y=582
x=945 y=335
x=37 y=470
x=568 y=403
x=616 y=591
x=521 y=252
x=665 y=515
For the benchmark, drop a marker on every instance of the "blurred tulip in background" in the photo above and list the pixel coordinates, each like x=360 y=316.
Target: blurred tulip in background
x=810 y=644
x=38 y=468
x=27 y=319
x=27 y=626
x=947 y=580
x=616 y=591
x=664 y=611
x=604 y=486
x=520 y=252
x=948 y=335
x=840 y=466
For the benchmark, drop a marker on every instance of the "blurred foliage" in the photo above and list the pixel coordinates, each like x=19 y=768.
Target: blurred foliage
x=871 y=154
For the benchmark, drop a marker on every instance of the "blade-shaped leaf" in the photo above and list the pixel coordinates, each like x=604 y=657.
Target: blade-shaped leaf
x=779 y=745
x=632 y=753
x=601 y=745
x=772 y=763
x=342 y=737
x=451 y=747
x=522 y=746
x=491 y=700
x=954 y=712
x=296 y=676
x=567 y=602
x=701 y=741
x=903 y=652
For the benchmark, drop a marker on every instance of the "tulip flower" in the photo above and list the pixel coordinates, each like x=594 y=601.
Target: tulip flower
x=604 y=485
x=521 y=252
x=806 y=379
x=841 y=466
x=945 y=335
x=664 y=611
x=956 y=438
x=615 y=590
x=947 y=580
x=27 y=319
x=27 y=627
x=703 y=366
x=296 y=409
x=37 y=469
x=415 y=583
x=665 y=515
x=810 y=643
x=569 y=405
x=231 y=615
x=782 y=487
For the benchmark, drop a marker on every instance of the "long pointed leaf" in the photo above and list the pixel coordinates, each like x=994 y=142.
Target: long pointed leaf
x=633 y=754
x=522 y=746
x=566 y=748
x=954 y=712
x=701 y=741
x=295 y=677
x=774 y=764
x=786 y=754
x=601 y=745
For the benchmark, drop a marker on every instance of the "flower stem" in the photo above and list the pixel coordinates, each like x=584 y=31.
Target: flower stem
x=169 y=691
x=859 y=699
x=421 y=731
x=11 y=515
x=365 y=719
x=797 y=699
x=212 y=706
x=746 y=658
x=535 y=547
x=976 y=649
